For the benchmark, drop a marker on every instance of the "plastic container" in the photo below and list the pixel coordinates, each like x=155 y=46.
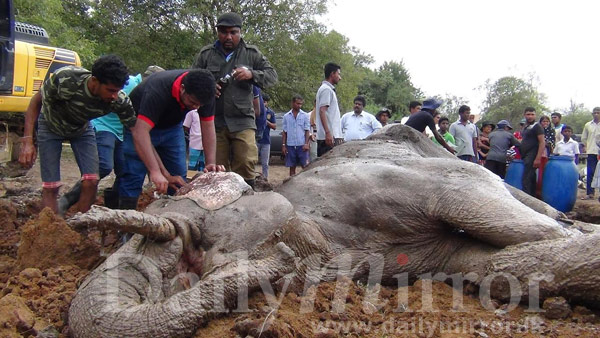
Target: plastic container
x=559 y=187
x=514 y=174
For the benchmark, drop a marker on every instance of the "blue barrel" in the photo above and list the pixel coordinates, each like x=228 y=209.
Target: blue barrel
x=559 y=185
x=514 y=174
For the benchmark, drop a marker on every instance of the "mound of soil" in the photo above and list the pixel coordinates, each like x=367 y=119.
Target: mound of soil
x=47 y=292
x=16 y=320
x=49 y=242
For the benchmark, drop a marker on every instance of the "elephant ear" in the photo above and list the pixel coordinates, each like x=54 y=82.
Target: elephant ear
x=214 y=190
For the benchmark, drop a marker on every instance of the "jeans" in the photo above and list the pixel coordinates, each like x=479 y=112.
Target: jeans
x=264 y=151
x=170 y=146
x=110 y=155
x=592 y=161
x=50 y=149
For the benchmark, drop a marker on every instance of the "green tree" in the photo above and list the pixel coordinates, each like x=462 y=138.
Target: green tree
x=53 y=16
x=450 y=106
x=390 y=86
x=576 y=116
x=299 y=64
x=507 y=98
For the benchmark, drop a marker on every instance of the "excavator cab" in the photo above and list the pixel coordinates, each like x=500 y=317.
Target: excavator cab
x=7 y=46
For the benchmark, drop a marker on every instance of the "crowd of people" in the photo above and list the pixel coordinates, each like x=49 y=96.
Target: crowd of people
x=136 y=125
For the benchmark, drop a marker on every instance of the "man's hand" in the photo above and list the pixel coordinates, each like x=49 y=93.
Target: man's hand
x=175 y=182
x=537 y=162
x=218 y=90
x=284 y=150
x=160 y=182
x=242 y=74
x=329 y=139
x=28 y=153
x=452 y=151
x=306 y=147
x=214 y=167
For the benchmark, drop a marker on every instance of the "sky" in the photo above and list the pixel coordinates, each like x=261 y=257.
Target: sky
x=454 y=46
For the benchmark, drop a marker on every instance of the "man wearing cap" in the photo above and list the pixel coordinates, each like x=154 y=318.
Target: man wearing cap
x=358 y=124
x=383 y=116
x=465 y=134
x=500 y=140
x=234 y=115
x=424 y=118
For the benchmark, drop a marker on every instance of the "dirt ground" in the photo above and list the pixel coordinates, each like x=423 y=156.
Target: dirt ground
x=42 y=261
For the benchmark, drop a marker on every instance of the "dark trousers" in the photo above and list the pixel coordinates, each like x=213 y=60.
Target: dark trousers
x=592 y=160
x=529 y=180
x=497 y=167
x=322 y=148
x=466 y=158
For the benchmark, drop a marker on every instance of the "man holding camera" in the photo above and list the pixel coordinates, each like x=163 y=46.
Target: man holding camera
x=234 y=115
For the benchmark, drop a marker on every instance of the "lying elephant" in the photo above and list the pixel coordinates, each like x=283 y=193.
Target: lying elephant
x=394 y=204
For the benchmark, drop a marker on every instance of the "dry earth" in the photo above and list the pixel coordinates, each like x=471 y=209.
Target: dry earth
x=42 y=261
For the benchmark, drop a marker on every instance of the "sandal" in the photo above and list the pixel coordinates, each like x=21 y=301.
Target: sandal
x=588 y=197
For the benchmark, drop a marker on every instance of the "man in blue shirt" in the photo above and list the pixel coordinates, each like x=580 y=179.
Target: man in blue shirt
x=295 y=136
x=264 y=143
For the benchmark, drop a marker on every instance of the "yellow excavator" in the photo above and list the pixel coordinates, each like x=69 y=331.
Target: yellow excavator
x=26 y=60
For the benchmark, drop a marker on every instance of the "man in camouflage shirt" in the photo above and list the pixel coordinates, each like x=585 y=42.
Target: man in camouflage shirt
x=68 y=100
x=234 y=116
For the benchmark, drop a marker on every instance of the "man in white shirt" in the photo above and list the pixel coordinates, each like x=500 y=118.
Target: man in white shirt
x=567 y=146
x=329 y=129
x=358 y=124
x=465 y=134
x=591 y=130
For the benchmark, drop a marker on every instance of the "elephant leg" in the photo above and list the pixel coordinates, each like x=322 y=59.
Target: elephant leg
x=568 y=267
x=497 y=219
x=534 y=203
x=118 y=304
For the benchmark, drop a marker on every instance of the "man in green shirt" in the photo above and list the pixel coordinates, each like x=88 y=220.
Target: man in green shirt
x=234 y=115
x=67 y=101
x=444 y=124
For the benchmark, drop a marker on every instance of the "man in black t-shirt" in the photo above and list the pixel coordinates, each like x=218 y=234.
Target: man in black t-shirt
x=532 y=148
x=424 y=118
x=156 y=144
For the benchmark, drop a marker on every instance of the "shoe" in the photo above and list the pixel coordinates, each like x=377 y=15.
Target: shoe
x=128 y=203
x=111 y=198
x=588 y=197
x=250 y=183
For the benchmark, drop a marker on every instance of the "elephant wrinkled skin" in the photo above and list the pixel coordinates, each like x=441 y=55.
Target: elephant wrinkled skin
x=392 y=204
